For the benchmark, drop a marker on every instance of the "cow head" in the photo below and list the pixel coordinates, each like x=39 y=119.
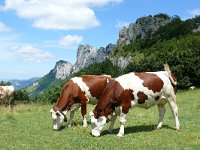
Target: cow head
x=98 y=124
x=99 y=117
x=2 y=93
x=58 y=118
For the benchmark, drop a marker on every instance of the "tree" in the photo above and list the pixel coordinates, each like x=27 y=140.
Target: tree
x=21 y=96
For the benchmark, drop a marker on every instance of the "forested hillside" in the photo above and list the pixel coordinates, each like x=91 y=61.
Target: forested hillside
x=177 y=43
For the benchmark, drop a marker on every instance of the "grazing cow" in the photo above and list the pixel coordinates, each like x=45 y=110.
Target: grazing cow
x=76 y=93
x=135 y=90
x=6 y=96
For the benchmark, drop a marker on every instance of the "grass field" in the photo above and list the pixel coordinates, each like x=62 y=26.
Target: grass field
x=30 y=127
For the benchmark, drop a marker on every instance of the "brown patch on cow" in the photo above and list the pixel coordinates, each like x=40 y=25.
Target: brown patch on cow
x=96 y=84
x=151 y=81
x=141 y=97
x=125 y=98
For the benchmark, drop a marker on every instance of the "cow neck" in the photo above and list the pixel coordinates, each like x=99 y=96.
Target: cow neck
x=105 y=101
x=62 y=103
x=64 y=99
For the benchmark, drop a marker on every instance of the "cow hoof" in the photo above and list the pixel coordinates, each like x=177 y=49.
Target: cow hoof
x=95 y=133
x=157 y=129
x=119 y=135
x=85 y=125
x=177 y=130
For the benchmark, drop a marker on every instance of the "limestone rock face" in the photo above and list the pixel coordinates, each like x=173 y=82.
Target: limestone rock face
x=88 y=55
x=142 y=27
x=121 y=62
x=62 y=69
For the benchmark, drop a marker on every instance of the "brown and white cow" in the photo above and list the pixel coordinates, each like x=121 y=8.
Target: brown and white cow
x=6 y=96
x=135 y=90
x=77 y=92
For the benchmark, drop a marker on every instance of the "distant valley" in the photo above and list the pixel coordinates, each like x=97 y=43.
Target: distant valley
x=20 y=84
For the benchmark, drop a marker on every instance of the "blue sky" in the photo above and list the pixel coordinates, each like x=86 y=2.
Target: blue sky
x=35 y=34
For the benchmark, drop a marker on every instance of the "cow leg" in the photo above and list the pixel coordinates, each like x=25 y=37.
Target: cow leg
x=74 y=108
x=84 y=121
x=71 y=118
x=125 y=105
x=122 y=124
x=11 y=104
x=161 y=115
x=174 y=109
x=83 y=112
x=113 y=119
x=122 y=119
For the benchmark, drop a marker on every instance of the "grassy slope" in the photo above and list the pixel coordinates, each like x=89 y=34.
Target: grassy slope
x=29 y=127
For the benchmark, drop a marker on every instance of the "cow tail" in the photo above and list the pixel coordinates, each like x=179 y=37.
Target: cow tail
x=166 y=68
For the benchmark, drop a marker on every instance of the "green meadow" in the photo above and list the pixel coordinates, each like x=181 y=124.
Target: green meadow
x=30 y=127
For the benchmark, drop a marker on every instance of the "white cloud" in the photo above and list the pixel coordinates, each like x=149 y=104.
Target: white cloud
x=4 y=28
x=54 y=14
x=194 y=12
x=32 y=54
x=70 y=40
x=121 y=24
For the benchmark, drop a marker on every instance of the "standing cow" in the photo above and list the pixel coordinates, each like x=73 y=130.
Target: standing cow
x=135 y=90
x=76 y=93
x=6 y=96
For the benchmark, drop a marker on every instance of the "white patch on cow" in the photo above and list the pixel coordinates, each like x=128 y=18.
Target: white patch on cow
x=85 y=121
x=133 y=103
x=84 y=88
x=105 y=75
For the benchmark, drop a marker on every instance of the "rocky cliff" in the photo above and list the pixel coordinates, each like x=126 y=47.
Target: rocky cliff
x=62 y=69
x=143 y=27
x=88 y=55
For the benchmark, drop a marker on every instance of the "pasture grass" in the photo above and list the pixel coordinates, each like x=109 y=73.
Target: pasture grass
x=29 y=127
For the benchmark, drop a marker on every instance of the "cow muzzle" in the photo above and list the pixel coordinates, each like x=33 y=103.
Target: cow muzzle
x=98 y=125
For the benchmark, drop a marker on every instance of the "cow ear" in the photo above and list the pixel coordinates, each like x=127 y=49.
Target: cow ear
x=65 y=112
